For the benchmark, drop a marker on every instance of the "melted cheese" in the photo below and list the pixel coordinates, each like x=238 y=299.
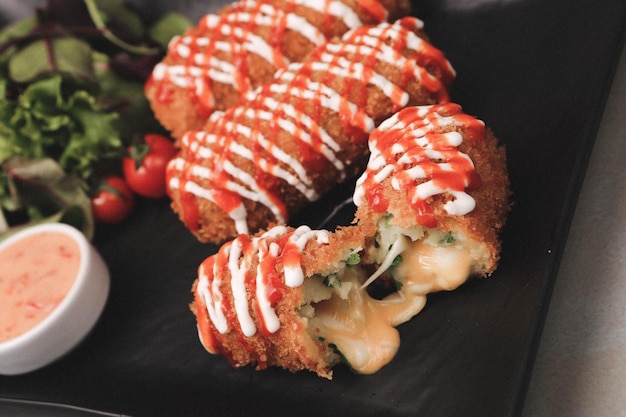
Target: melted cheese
x=357 y=328
x=363 y=328
x=426 y=268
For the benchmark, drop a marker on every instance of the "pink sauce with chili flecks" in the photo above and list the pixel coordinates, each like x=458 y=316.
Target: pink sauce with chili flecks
x=36 y=273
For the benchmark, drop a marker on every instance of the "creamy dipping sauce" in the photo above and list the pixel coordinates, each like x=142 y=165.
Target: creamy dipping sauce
x=36 y=273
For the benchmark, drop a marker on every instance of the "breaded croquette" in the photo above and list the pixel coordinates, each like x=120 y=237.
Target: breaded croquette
x=431 y=204
x=435 y=194
x=303 y=133
x=250 y=302
x=215 y=64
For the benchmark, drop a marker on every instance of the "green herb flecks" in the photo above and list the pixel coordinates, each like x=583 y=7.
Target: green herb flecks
x=341 y=355
x=332 y=281
x=446 y=239
x=353 y=260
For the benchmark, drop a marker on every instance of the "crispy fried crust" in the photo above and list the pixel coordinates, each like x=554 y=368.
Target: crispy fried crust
x=291 y=347
x=214 y=222
x=482 y=224
x=184 y=105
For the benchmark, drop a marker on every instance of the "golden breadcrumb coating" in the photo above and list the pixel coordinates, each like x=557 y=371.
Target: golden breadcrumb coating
x=216 y=63
x=431 y=204
x=304 y=132
x=491 y=192
x=291 y=346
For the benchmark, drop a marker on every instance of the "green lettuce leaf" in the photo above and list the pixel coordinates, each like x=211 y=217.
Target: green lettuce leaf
x=168 y=26
x=65 y=55
x=47 y=193
x=73 y=130
x=128 y=99
x=71 y=99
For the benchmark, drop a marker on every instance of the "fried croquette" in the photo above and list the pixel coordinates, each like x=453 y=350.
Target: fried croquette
x=250 y=302
x=437 y=187
x=431 y=204
x=303 y=133
x=216 y=63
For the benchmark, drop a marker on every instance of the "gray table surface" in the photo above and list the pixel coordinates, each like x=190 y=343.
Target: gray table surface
x=580 y=369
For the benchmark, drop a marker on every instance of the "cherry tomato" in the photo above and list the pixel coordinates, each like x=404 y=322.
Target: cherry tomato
x=144 y=168
x=113 y=202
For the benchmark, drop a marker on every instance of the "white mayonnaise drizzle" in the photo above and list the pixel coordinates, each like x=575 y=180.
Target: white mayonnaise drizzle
x=235 y=26
x=407 y=164
x=240 y=255
x=293 y=81
x=213 y=298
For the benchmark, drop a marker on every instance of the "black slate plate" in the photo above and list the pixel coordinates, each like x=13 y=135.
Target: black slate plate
x=538 y=73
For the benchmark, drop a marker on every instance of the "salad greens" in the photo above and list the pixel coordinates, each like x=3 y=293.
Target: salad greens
x=69 y=128
x=71 y=100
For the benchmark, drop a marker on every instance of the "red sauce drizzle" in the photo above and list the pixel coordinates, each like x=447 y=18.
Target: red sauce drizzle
x=202 y=40
x=295 y=80
x=164 y=91
x=206 y=329
x=272 y=280
x=376 y=198
x=290 y=256
x=427 y=124
x=375 y=9
x=247 y=249
x=189 y=209
x=217 y=266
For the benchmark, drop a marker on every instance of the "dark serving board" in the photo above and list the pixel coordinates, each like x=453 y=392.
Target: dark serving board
x=538 y=73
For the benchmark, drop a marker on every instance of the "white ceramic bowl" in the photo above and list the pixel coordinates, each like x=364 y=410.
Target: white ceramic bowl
x=71 y=320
